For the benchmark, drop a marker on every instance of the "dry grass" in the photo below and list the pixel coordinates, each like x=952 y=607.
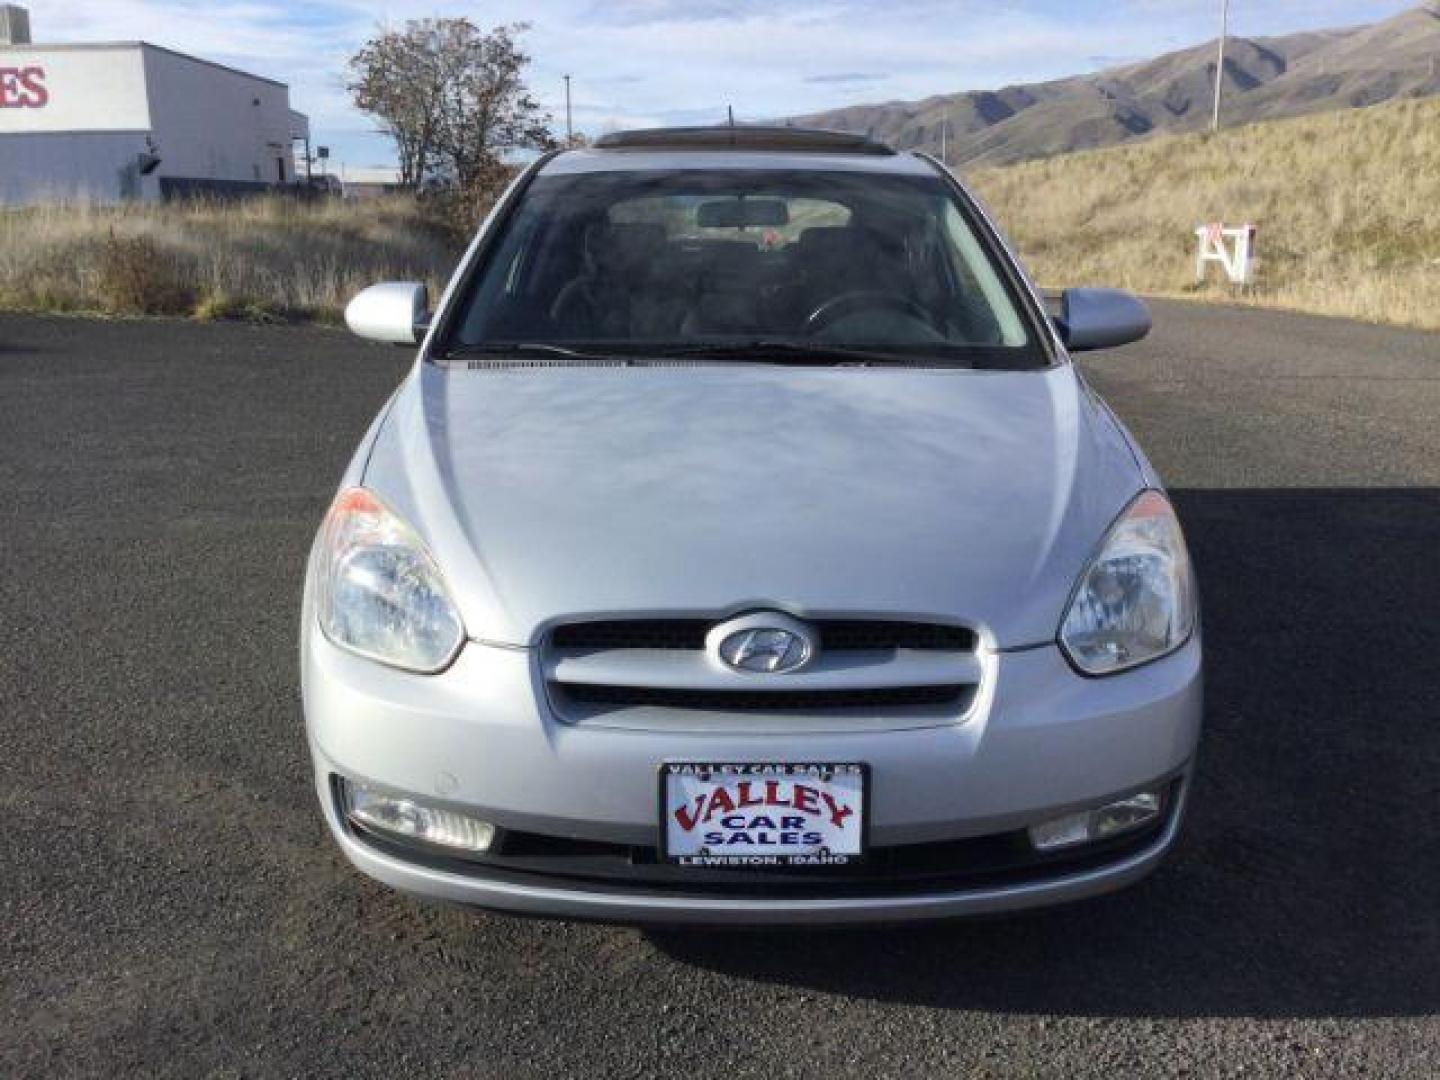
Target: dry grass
x=1347 y=205
x=267 y=259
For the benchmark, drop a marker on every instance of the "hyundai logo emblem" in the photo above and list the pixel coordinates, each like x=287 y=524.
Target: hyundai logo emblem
x=764 y=644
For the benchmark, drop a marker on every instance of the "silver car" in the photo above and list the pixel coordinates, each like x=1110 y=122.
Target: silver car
x=743 y=547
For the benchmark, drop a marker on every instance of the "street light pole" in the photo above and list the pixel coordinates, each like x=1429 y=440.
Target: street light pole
x=1220 y=62
x=569 y=127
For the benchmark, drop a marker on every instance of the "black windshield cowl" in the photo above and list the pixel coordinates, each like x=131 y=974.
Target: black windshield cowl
x=804 y=353
x=510 y=350
x=761 y=351
x=777 y=352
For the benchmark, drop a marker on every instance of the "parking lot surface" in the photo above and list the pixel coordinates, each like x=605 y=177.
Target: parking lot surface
x=170 y=904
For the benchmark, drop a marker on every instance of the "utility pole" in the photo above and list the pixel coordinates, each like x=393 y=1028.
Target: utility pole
x=944 y=141
x=569 y=126
x=1220 y=62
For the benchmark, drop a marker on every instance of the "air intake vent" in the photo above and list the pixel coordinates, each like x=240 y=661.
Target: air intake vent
x=888 y=697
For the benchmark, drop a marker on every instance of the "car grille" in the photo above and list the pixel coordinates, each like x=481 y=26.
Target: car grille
x=842 y=634
x=656 y=674
x=762 y=700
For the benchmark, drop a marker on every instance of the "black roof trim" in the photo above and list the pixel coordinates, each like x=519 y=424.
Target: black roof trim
x=743 y=137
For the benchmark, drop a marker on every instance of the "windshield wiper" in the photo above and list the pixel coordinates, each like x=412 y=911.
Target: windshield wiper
x=530 y=348
x=765 y=351
x=758 y=351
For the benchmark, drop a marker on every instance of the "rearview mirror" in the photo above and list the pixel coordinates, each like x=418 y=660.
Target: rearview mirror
x=397 y=313
x=743 y=213
x=1101 y=319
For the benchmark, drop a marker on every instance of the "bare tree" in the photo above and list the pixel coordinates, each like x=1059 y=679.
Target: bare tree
x=453 y=98
x=399 y=78
x=489 y=109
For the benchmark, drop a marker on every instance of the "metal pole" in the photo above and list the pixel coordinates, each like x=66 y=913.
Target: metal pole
x=1220 y=62
x=569 y=127
x=944 y=131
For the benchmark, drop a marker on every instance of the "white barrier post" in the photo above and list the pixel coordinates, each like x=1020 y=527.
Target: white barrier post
x=1245 y=253
x=1238 y=263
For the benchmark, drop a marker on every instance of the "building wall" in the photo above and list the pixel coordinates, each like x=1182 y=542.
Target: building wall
x=72 y=123
x=98 y=88
x=74 y=120
x=213 y=123
x=65 y=166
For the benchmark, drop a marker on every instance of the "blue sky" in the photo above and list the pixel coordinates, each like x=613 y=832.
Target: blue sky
x=645 y=62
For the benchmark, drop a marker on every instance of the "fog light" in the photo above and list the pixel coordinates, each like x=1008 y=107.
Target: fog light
x=1087 y=826
x=405 y=817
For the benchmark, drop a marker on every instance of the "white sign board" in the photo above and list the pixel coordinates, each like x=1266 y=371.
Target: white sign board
x=1232 y=248
x=765 y=814
x=53 y=89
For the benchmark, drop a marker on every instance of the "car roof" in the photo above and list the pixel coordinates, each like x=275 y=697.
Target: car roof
x=743 y=137
x=738 y=147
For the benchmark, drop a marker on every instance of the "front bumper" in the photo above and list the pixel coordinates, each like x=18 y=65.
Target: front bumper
x=1043 y=741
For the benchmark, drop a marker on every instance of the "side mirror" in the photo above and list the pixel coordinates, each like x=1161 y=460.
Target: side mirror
x=397 y=313
x=1101 y=319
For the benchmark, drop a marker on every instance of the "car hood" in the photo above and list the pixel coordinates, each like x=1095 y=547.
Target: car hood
x=553 y=493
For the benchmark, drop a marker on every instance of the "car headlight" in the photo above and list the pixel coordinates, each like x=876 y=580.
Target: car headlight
x=378 y=591
x=1136 y=601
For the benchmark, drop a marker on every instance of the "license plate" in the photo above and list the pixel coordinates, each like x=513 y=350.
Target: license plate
x=766 y=814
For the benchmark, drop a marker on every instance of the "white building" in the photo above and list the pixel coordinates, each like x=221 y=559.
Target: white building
x=369 y=181
x=126 y=120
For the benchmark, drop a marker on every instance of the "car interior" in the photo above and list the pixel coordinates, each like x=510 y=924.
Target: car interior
x=737 y=267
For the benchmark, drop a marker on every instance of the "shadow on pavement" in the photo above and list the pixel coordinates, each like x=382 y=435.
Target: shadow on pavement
x=1306 y=883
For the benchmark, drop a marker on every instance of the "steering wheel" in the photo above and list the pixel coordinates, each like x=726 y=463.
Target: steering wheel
x=837 y=307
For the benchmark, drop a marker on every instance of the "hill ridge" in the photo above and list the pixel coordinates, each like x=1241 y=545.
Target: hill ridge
x=1265 y=78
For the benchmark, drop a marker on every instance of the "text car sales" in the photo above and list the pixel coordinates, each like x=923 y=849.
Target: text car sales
x=763 y=813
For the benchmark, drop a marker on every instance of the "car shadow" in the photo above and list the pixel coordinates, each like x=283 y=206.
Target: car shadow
x=1306 y=881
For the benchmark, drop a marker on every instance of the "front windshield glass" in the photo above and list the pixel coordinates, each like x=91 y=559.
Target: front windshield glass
x=690 y=260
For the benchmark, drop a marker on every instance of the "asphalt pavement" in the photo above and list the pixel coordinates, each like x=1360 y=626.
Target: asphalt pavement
x=170 y=904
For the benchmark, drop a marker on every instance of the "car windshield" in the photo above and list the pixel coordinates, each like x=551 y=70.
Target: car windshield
x=724 y=261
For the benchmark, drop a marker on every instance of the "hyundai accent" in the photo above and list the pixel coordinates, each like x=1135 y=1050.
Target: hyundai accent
x=743 y=546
